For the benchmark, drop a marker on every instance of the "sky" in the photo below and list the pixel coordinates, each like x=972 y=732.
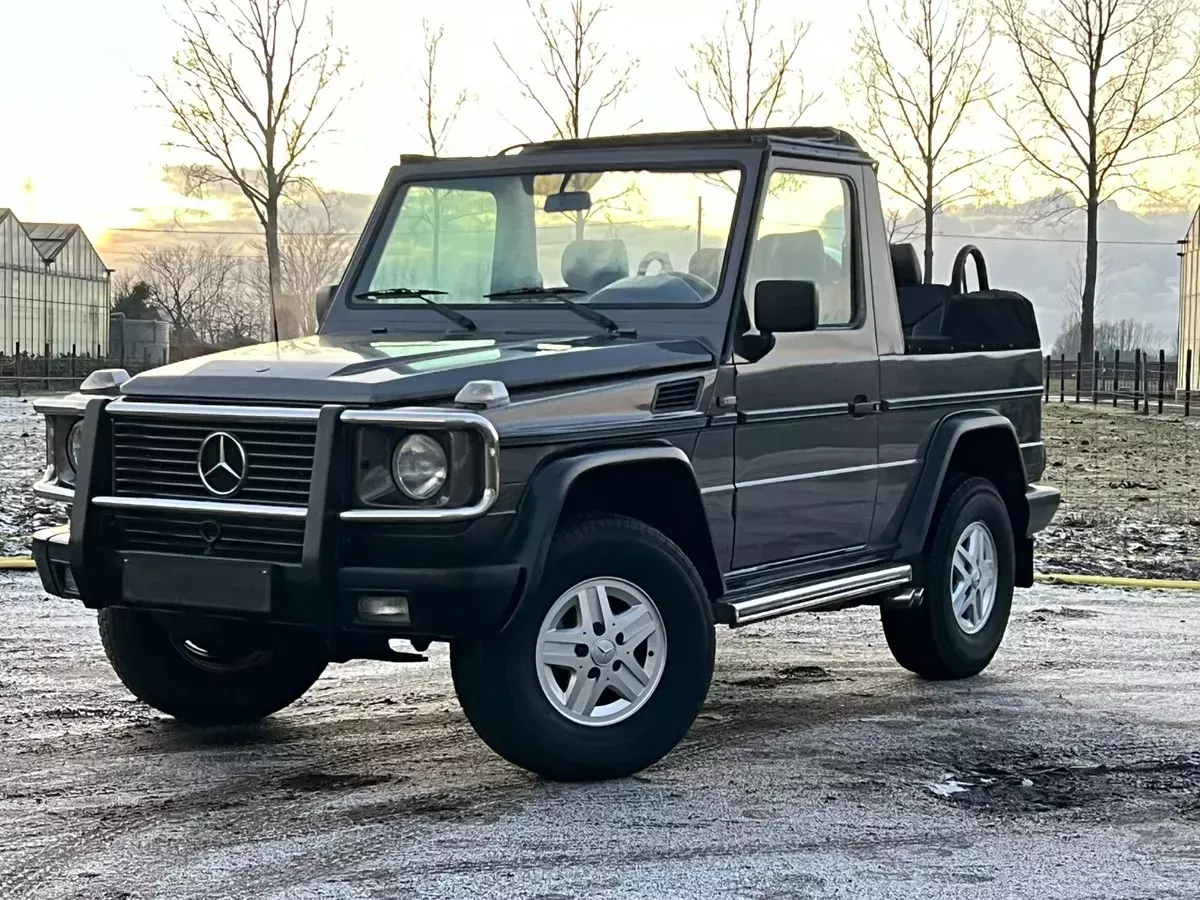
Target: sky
x=83 y=141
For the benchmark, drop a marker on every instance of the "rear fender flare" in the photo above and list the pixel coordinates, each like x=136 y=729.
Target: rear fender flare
x=914 y=530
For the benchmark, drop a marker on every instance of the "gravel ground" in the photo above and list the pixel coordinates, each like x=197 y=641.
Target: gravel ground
x=817 y=768
x=1131 y=495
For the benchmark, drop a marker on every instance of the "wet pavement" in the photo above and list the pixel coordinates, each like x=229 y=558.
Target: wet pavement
x=818 y=768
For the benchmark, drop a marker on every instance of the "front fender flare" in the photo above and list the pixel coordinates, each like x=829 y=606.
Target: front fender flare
x=528 y=541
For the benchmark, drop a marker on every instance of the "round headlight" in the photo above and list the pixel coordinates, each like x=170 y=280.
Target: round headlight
x=75 y=445
x=419 y=466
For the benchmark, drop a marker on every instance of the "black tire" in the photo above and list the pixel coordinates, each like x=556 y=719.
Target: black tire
x=496 y=677
x=928 y=640
x=234 y=687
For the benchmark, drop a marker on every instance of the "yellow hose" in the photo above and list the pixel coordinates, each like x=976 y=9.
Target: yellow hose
x=26 y=562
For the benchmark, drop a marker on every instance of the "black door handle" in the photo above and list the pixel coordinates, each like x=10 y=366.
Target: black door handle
x=860 y=406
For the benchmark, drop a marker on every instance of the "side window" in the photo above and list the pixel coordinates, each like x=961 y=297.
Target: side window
x=806 y=234
x=442 y=239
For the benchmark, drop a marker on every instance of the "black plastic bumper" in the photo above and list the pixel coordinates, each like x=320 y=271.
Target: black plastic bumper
x=1043 y=504
x=442 y=603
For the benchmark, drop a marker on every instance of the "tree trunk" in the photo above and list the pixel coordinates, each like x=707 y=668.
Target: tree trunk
x=579 y=223
x=1087 y=300
x=437 y=239
x=282 y=326
x=929 y=242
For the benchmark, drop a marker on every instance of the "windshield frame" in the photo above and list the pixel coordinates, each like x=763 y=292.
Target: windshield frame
x=744 y=160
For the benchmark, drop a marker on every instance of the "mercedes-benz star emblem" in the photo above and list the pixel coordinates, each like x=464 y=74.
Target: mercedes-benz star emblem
x=221 y=463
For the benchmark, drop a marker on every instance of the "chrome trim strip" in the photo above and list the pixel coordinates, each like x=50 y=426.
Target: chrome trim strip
x=717 y=489
x=422 y=417
x=125 y=407
x=786 y=413
x=825 y=473
x=71 y=404
x=208 y=507
x=1032 y=444
x=950 y=399
x=819 y=595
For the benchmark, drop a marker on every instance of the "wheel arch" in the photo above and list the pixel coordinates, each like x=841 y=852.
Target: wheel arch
x=654 y=484
x=976 y=442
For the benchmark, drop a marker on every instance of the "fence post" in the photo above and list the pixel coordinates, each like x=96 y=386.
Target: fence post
x=1078 y=373
x=73 y=357
x=1116 y=376
x=1145 y=384
x=1162 y=367
x=1187 y=385
x=1062 y=379
x=1137 y=383
x=46 y=364
x=1095 y=377
x=1047 y=379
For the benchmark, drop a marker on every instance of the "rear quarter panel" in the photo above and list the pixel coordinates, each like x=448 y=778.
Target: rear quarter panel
x=920 y=390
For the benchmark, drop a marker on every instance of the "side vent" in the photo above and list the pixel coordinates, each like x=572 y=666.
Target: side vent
x=677 y=396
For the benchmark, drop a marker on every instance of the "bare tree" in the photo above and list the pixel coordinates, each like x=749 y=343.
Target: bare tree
x=1105 y=87
x=918 y=74
x=1072 y=289
x=1125 y=335
x=748 y=76
x=252 y=90
x=579 y=83
x=190 y=287
x=315 y=241
x=437 y=120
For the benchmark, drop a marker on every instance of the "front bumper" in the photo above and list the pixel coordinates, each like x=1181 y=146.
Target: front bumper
x=442 y=603
x=338 y=563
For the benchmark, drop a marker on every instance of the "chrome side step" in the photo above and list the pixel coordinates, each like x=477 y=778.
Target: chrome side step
x=818 y=596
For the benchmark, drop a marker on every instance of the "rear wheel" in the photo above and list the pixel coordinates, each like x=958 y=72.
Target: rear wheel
x=604 y=669
x=215 y=677
x=969 y=568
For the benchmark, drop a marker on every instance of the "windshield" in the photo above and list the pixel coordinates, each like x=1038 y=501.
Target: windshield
x=614 y=237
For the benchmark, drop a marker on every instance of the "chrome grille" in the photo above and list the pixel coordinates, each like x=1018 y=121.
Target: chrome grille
x=260 y=540
x=158 y=458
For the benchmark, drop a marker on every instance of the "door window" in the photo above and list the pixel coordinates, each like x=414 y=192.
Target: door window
x=805 y=233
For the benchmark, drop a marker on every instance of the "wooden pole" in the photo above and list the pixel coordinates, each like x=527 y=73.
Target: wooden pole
x=1162 y=368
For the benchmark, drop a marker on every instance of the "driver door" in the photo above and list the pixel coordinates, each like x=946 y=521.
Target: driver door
x=806 y=465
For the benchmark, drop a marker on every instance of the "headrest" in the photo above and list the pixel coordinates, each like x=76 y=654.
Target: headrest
x=790 y=256
x=706 y=263
x=906 y=265
x=590 y=265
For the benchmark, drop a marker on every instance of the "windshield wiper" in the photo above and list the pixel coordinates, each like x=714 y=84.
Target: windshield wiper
x=419 y=293
x=562 y=294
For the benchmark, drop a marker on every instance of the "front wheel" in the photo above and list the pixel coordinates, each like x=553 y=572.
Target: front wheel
x=218 y=678
x=969 y=570
x=603 y=670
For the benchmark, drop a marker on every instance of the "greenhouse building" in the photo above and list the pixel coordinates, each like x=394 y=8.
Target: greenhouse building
x=54 y=290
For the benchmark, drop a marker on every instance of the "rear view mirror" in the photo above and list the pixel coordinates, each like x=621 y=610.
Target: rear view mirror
x=568 y=201
x=324 y=300
x=785 y=306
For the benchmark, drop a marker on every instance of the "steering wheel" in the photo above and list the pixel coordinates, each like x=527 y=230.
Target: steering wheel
x=655 y=256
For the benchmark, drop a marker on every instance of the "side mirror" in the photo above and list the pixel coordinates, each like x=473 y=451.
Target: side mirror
x=324 y=300
x=568 y=201
x=782 y=307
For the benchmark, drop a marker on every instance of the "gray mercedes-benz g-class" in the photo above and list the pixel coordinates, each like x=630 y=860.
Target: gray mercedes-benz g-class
x=507 y=437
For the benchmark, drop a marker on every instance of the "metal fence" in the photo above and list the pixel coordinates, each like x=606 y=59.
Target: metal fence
x=23 y=372
x=1147 y=381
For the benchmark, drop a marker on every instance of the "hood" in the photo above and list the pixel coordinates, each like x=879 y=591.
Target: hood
x=390 y=369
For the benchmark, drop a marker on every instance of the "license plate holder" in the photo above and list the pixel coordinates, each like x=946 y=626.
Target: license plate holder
x=203 y=583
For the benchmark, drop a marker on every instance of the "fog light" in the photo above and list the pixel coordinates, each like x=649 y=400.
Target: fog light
x=384 y=609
